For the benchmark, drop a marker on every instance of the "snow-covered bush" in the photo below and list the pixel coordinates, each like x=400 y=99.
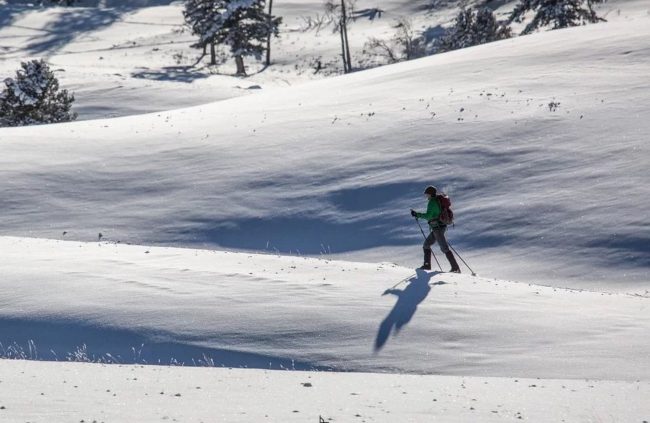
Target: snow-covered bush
x=241 y=25
x=473 y=27
x=33 y=97
x=555 y=13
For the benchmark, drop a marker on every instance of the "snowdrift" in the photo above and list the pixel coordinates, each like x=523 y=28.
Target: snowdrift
x=134 y=304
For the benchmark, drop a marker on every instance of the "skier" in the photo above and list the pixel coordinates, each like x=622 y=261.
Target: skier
x=437 y=228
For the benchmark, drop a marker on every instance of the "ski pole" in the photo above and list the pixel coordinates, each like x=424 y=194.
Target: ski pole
x=403 y=280
x=459 y=256
x=425 y=238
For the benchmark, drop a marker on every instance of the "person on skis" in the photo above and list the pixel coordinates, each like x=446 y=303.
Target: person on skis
x=437 y=230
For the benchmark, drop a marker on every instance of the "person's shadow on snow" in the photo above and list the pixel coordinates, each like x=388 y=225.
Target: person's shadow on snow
x=408 y=300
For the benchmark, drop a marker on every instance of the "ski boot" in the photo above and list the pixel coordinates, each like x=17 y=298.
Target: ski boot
x=452 y=260
x=427 y=259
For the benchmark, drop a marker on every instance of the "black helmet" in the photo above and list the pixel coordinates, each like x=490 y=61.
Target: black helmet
x=431 y=190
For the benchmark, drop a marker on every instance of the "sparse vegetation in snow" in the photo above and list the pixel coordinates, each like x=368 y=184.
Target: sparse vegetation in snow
x=405 y=44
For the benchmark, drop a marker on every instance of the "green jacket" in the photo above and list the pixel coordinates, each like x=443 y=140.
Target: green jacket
x=432 y=214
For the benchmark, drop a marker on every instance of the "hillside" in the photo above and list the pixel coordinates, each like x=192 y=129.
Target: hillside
x=134 y=56
x=545 y=194
x=124 y=57
x=246 y=253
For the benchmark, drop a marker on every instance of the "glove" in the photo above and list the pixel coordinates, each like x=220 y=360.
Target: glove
x=414 y=213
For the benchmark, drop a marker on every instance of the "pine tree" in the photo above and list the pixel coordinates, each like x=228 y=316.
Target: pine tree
x=33 y=97
x=242 y=25
x=473 y=28
x=558 y=13
x=198 y=15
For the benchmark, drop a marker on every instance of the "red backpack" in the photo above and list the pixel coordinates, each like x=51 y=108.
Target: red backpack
x=446 y=214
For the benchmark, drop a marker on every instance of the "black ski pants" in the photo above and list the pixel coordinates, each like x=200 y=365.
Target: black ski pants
x=437 y=235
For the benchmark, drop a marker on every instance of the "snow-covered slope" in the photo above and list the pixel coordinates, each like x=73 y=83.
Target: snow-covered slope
x=552 y=196
x=266 y=311
x=540 y=140
x=72 y=392
x=125 y=57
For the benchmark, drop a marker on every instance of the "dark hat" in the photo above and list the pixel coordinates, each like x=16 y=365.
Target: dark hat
x=431 y=190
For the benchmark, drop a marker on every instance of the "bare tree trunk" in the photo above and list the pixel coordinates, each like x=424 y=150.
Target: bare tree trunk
x=268 y=40
x=345 y=61
x=205 y=52
x=345 y=35
x=213 y=55
x=241 y=70
x=347 y=48
x=409 y=48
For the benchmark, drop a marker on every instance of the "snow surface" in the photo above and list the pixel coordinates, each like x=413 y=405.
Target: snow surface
x=540 y=141
x=127 y=57
x=132 y=56
x=72 y=392
x=266 y=311
x=554 y=197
